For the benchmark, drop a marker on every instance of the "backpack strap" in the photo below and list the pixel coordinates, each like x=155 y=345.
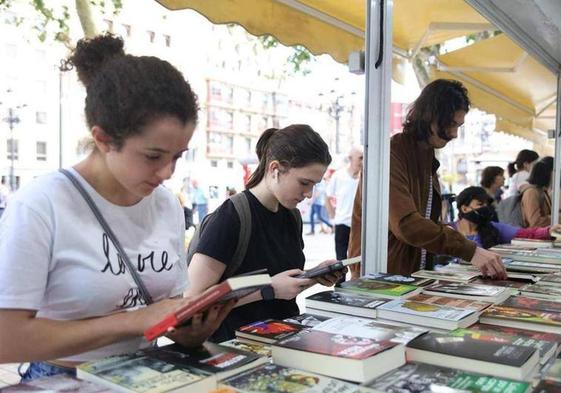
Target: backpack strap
x=241 y=204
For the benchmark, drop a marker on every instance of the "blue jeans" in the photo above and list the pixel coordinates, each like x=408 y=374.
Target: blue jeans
x=44 y=369
x=318 y=210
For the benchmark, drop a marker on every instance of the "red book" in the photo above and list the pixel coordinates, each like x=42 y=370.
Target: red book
x=232 y=288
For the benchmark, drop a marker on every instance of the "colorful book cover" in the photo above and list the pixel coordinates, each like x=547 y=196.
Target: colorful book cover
x=274 y=378
x=450 y=302
x=447 y=275
x=308 y=320
x=532 y=304
x=256 y=348
x=546 y=348
x=523 y=315
x=544 y=290
x=269 y=330
x=338 y=345
x=551 y=279
x=398 y=279
x=470 y=289
x=510 y=283
x=546 y=336
x=470 y=348
x=426 y=310
x=346 y=299
x=424 y=378
x=376 y=288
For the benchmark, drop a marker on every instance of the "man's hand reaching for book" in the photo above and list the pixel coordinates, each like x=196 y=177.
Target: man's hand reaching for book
x=330 y=279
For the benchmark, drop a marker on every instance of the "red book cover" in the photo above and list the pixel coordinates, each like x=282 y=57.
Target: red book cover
x=523 y=314
x=271 y=329
x=532 y=304
x=545 y=336
x=338 y=345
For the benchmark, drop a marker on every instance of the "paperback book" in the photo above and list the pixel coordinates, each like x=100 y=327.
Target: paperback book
x=306 y=319
x=259 y=349
x=351 y=358
x=448 y=275
x=533 y=304
x=268 y=331
x=367 y=328
x=378 y=288
x=471 y=291
x=425 y=314
x=274 y=378
x=465 y=304
x=469 y=354
x=536 y=335
x=56 y=383
x=522 y=318
x=553 y=279
x=426 y=378
x=399 y=279
x=344 y=303
x=541 y=291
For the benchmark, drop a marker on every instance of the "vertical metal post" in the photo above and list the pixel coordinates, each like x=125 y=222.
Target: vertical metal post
x=11 y=121
x=59 y=118
x=556 y=187
x=376 y=176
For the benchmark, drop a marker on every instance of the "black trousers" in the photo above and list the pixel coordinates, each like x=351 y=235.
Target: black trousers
x=342 y=234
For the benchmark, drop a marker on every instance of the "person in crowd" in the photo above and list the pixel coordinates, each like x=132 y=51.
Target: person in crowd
x=415 y=233
x=535 y=202
x=200 y=200
x=492 y=180
x=340 y=195
x=318 y=208
x=291 y=161
x=475 y=221
x=519 y=171
x=65 y=295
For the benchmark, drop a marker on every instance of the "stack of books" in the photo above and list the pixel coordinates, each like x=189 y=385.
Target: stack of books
x=267 y=332
x=332 y=303
x=469 y=291
x=379 y=289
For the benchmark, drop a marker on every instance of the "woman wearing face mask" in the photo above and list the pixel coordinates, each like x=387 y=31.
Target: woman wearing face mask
x=475 y=221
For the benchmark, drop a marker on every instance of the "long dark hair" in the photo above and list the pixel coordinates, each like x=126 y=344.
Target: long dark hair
x=124 y=92
x=295 y=146
x=540 y=176
x=523 y=157
x=438 y=103
x=489 y=174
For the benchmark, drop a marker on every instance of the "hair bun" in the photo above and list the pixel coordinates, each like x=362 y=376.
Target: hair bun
x=91 y=53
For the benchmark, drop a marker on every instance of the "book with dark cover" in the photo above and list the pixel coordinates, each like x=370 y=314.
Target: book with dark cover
x=522 y=318
x=532 y=304
x=426 y=378
x=399 y=279
x=450 y=302
x=377 y=288
x=268 y=331
x=536 y=335
x=509 y=283
x=467 y=353
x=546 y=386
x=56 y=383
x=339 y=356
x=546 y=348
x=274 y=378
x=211 y=358
x=306 y=319
x=345 y=303
x=141 y=373
x=484 y=293
x=448 y=275
x=368 y=328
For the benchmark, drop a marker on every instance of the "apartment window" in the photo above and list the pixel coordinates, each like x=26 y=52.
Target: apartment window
x=41 y=117
x=167 y=40
x=247 y=145
x=127 y=30
x=246 y=126
x=220 y=143
x=219 y=118
x=12 y=149
x=41 y=151
x=108 y=25
x=151 y=36
x=230 y=164
x=213 y=163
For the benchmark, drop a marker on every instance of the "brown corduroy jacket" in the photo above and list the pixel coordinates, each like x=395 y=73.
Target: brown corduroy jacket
x=411 y=164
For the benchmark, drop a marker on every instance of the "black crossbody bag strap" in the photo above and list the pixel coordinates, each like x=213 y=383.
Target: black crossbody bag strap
x=141 y=287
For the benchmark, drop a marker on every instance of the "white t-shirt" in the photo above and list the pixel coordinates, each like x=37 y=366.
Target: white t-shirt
x=518 y=179
x=342 y=187
x=56 y=259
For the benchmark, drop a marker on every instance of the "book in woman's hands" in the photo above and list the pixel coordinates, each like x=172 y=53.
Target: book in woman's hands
x=232 y=288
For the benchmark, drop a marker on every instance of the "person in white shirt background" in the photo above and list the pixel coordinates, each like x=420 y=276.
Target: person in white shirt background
x=519 y=171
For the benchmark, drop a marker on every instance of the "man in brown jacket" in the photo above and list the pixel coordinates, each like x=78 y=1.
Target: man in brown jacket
x=415 y=233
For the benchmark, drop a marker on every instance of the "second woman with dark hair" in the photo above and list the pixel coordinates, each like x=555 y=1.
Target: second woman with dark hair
x=291 y=161
x=536 y=200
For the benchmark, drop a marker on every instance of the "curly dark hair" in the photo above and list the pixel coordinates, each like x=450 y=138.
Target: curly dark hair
x=489 y=174
x=437 y=103
x=295 y=146
x=125 y=92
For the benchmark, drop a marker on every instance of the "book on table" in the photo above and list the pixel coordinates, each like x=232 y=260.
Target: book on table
x=268 y=331
x=522 y=318
x=379 y=289
x=454 y=275
x=466 y=353
x=416 y=377
x=533 y=243
x=547 y=349
x=533 y=303
x=512 y=284
x=344 y=303
x=553 y=279
x=259 y=349
x=529 y=254
x=527 y=269
x=541 y=291
x=271 y=378
x=553 y=372
x=351 y=358
x=471 y=291
x=56 y=383
x=465 y=304
x=425 y=314
x=306 y=319
x=399 y=279
x=368 y=328
x=533 y=334
x=233 y=288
